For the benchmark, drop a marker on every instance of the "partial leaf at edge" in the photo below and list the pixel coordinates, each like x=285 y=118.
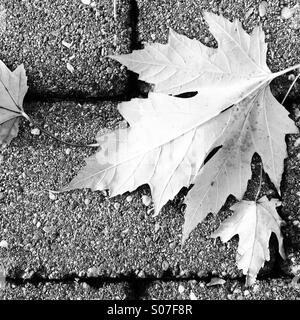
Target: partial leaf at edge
x=13 y=87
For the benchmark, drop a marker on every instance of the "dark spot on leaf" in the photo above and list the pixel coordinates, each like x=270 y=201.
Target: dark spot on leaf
x=211 y=154
x=187 y=94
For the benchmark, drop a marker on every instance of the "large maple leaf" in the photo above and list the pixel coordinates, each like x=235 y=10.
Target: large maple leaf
x=13 y=87
x=253 y=222
x=170 y=137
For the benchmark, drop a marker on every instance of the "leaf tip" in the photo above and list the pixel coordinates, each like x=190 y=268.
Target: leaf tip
x=183 y=239
x=214 y=235
x=111 y=56
x=250 y=280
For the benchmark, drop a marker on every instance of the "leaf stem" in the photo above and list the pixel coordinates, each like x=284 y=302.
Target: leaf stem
x=290 y=88
x=280 y=73
x=260 y=182
x=71 y=144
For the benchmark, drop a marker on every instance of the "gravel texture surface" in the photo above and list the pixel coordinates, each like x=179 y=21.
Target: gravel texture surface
x=87 y=233
x=277 y=289
x=63 y=291
x=83 y=232
x=64 y=44
x=185 y=17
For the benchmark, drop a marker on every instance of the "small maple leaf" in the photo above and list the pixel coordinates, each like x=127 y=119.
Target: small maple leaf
x=253 y=222
x=13 y=87
x=169 y=137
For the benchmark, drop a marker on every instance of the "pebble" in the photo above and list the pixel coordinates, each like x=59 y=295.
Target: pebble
x=87 y=2
x=286 y=13
x=52 y=196
x=70 y=67
x=202 y=274
x=193 y=296
x=117 y=205
x=141 y=274
x=246 y=293
x=165 y=265
x=147 y=240
x=216 y=281
x=129 y=198
x=47 y=229
x=67 y=151
x=146 y=200
x=85 y=286
x=81 y=274
x=297 y=143
x=35 y=131
x=172 y=245
x=262 y=9
x=206 y=40
x=38 y=224
x=66 y=44
x=255 y=288
x=3 y=244
x=295 y=269
x=181 y=289
x=291 y=77
x=109 y=70
x=87 y=202
x=184 y=273
x=92 y=272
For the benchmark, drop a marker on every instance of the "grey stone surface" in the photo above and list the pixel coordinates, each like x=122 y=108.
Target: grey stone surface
x=185 y=17
x=86 y=232
x=64 y=291
x=38 y=34
x=275 y=289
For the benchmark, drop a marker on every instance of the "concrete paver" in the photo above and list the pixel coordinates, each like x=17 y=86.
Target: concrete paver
x=64 y=44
